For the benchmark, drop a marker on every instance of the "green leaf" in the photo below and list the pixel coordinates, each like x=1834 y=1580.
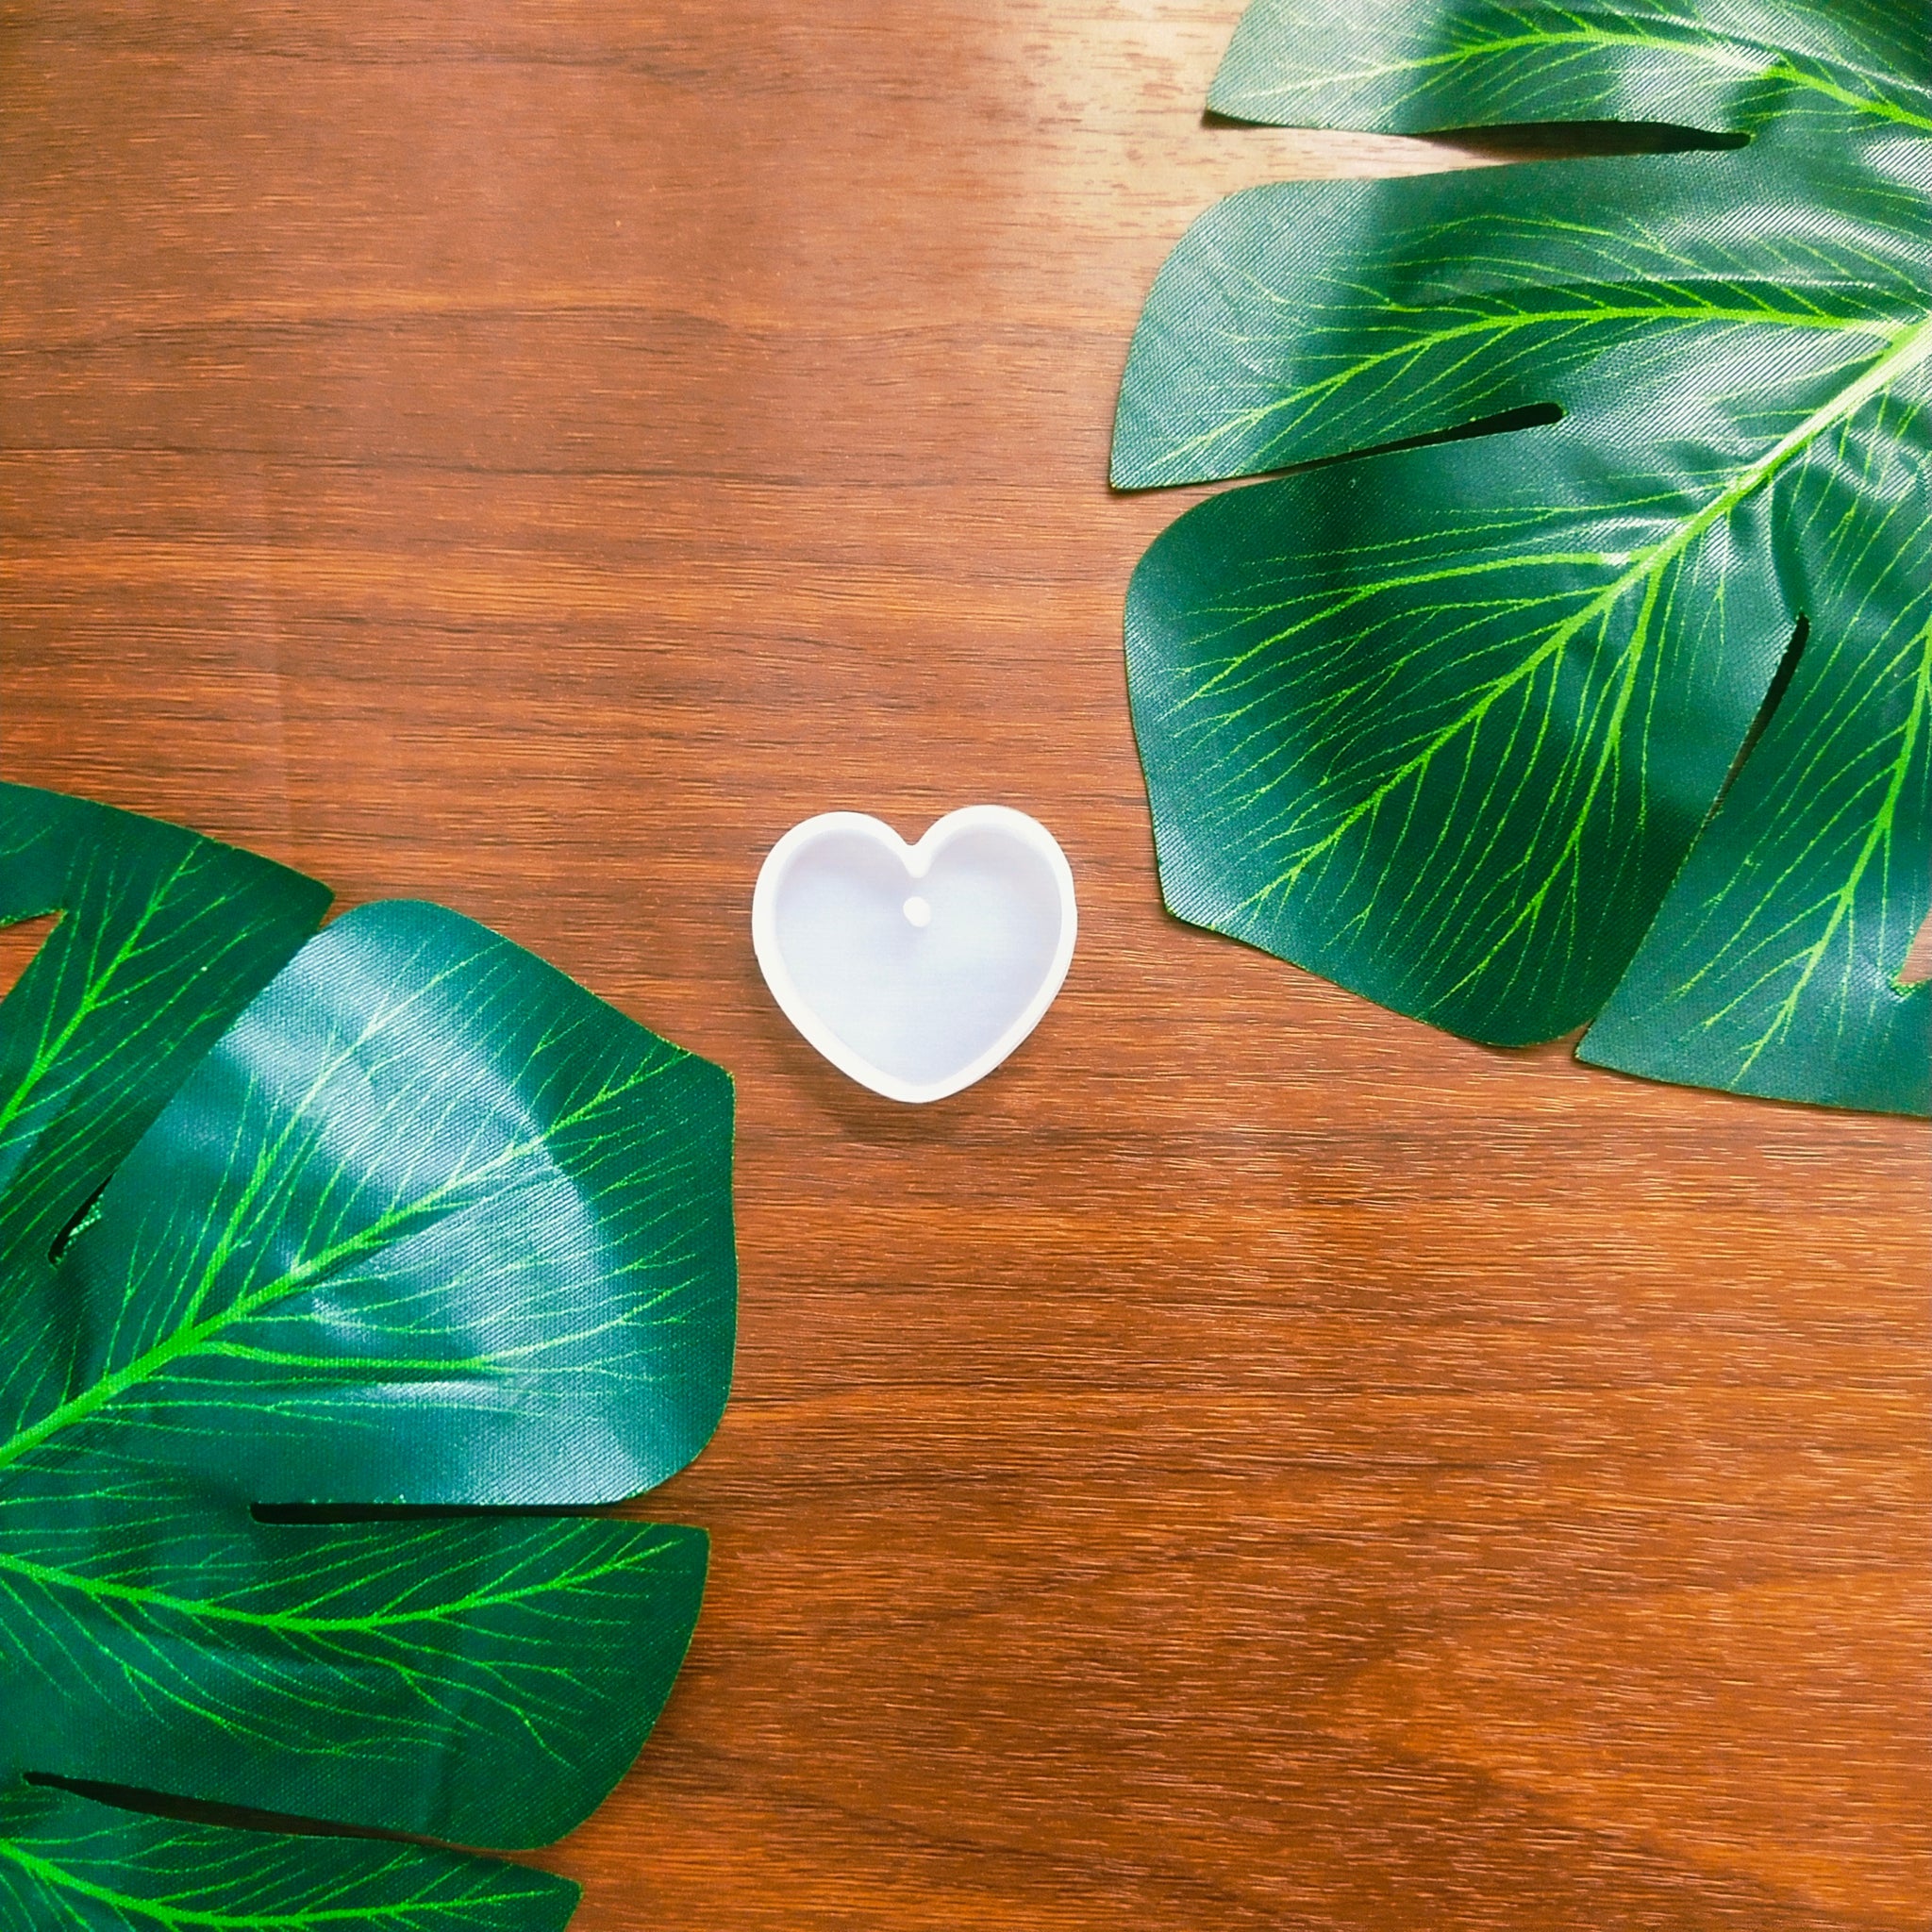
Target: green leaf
x=163 y=938
x=432 y=1205
x=483 y=1680
x=1773 y=966
x=1317 y=319
x=1411 y=67
x=420 y=1224
x=65 y=1861
x=1445 y=723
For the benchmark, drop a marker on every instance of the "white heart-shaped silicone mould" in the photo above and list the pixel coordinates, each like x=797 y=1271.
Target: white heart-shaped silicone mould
x=915 y=969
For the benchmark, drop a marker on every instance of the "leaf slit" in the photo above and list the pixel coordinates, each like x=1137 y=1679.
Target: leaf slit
x=412 y=1513
x=76 y=1221
x=1773 y=697
x=1538 y=141
x=153 y=1804
x=1504 y=423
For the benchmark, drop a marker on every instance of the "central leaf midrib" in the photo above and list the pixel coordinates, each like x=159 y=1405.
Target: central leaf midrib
x=194 y=1334
x=1910 y=348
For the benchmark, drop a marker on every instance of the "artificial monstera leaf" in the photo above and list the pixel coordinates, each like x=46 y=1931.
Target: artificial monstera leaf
x=301 y=1234
x=1619 y=709
x=83 y=1867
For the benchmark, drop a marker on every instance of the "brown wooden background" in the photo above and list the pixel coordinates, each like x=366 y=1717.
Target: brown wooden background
x=1253 y=1461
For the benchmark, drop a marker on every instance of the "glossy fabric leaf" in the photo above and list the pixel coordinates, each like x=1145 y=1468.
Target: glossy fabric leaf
x=431 y=1205
x=164 y=937
x=1411 y=67
x=68 y=1863
x=1773 y=966
x=1444 y=724
x=422 y=1223
x=1317 y=319
x=484 y=1679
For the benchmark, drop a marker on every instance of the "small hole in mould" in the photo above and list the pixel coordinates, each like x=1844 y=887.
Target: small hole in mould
x=917 y=911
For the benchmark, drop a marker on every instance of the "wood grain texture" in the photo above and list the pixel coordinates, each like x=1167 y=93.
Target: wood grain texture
x=1253 y=1461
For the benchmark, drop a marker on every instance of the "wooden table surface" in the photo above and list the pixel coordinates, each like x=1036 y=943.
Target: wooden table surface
x=1253 y=1461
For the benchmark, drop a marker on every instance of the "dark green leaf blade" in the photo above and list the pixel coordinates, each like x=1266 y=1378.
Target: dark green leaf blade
x=164 y=937
x=68 y=1862
x=1773 y=968
x=1443 y=739
x=1413 y=67
x=484 y=1678
x=1311 y=320
x=1382 y=735
x=430 y=1224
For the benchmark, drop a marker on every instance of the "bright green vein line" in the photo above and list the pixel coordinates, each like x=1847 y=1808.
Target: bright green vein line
x=193 y=1336
x=1876 y=838
x=1888 y=111
x=90 y=1000
x=1414 y=581
x=51 y=1577
x=61 y=1879
x=1910 y=347
x=1532 y=908
x=1414 y=347
x=1736 y=58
